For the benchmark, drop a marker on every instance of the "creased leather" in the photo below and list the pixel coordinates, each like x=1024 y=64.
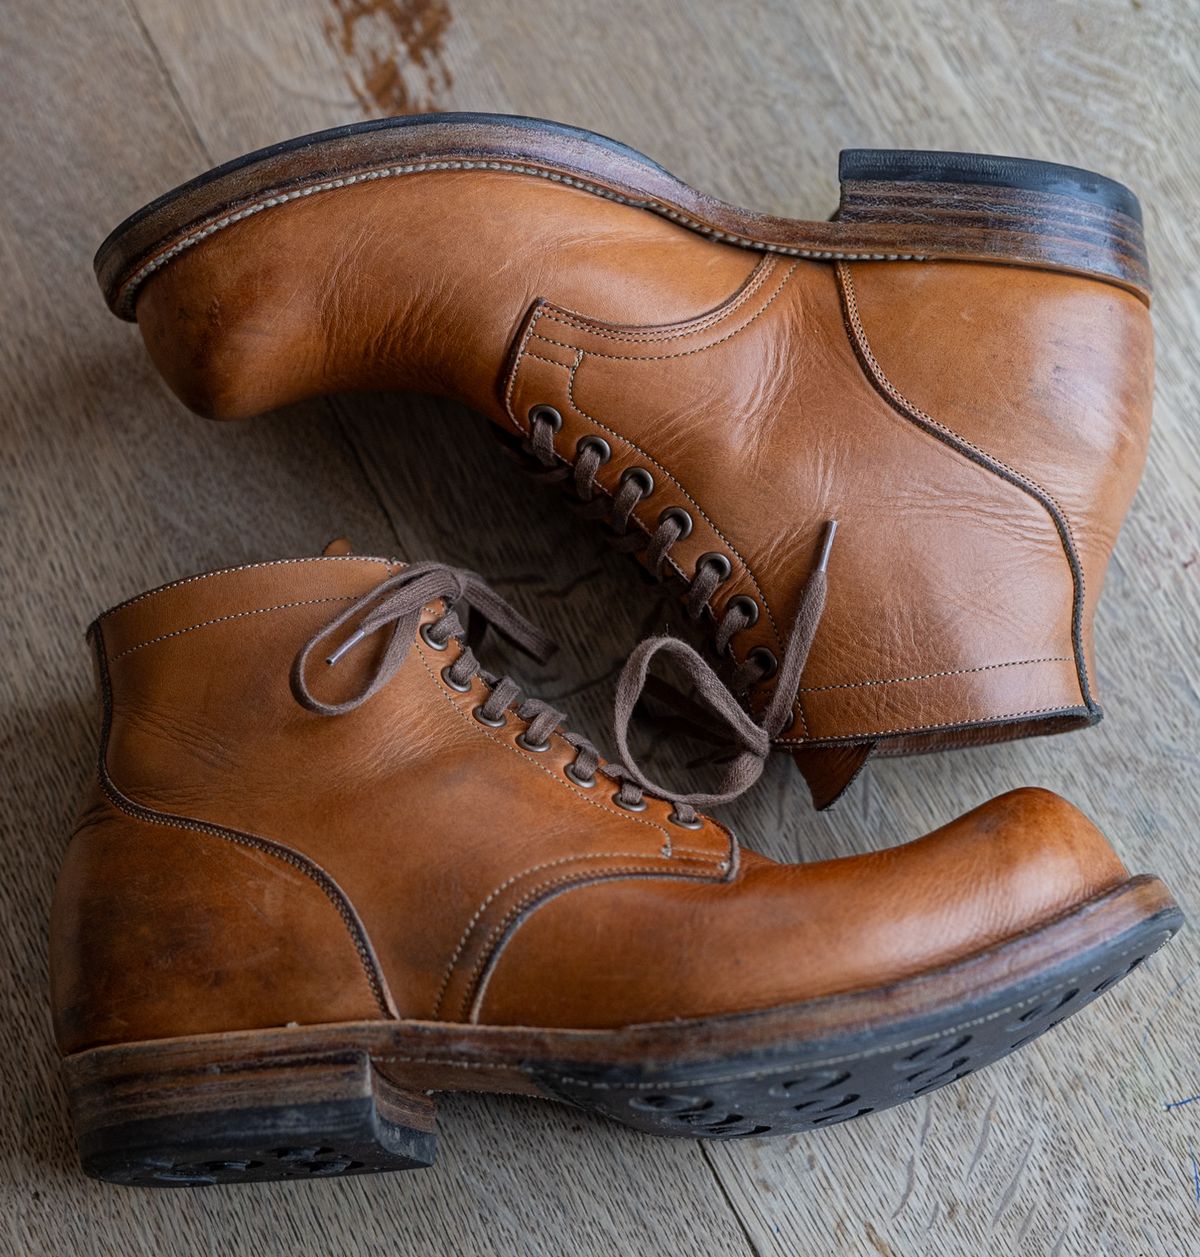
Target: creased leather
x=958 y=602
x=441 y=871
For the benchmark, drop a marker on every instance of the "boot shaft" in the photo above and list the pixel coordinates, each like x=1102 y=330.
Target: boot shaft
x=264 y=856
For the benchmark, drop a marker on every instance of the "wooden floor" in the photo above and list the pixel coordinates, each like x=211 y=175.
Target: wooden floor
x=1083 y=1144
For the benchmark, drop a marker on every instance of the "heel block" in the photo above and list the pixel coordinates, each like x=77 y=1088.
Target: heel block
x=973 y=206
x=984 y=170
x=180 y=1115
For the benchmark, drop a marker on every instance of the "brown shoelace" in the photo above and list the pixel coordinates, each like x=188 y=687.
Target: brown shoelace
x=674 y=523
x=397 y=603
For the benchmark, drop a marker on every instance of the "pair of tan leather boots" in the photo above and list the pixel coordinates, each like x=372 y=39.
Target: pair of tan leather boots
x=331 y=864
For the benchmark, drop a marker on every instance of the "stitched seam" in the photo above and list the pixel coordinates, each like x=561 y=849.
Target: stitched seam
x=883 y=733
x=699 y=509
x=332 y=891
x=893 y=392
x=674 y=331
x=466 y=934
x=514 y=372
x=123 y=298
x=683 y=353
x=1032 y=487
x=297 y=861
x=930 y=676
x=535 y=868
x=596 y=876
x=223 y=619
x=245 y=567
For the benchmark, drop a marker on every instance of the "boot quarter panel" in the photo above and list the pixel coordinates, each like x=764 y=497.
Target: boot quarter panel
x=228 y=746
x=966 y=570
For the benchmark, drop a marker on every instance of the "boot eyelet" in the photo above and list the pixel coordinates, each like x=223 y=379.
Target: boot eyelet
x=537 y=747
x=675 y=819
x=477 y=712
x=720 y=562
x=432 y=643
x=643 y=478
x=545 y=414
x=766 y=660
x=586 y=783
x=681 y=517
x=453 y=684
x=746 y=604
x=597 y=443
x=629 y=807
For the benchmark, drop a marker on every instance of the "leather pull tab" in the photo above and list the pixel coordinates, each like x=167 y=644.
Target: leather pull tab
x=337 y=547
x=829 y=770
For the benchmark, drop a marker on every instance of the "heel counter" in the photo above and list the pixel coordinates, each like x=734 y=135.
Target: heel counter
x=158 y=931
x=1050 y=375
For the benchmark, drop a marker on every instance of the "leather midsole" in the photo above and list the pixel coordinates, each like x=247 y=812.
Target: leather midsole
x=1014 y=227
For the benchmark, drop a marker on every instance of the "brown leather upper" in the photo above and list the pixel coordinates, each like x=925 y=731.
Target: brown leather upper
x=977 y=430
x=244 y=863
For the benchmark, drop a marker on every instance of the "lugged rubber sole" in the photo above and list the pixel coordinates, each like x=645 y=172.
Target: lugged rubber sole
x=895 y=205
x=352 y=1098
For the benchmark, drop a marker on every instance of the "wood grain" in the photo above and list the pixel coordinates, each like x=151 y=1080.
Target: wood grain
x=108 y=487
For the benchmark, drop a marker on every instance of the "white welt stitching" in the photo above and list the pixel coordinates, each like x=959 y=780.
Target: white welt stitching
x=127 y=291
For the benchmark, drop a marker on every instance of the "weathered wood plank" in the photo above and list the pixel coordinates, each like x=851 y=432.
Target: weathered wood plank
x=1065 y=1148
x=109 y=488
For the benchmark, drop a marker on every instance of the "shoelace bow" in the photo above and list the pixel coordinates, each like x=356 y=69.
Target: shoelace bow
x=399 y=601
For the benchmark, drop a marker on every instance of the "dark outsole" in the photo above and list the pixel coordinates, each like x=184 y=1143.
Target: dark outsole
x=354 y=1098
x=267 y=1144
x=825 y=1083
x=881 y=165
x=894 y=207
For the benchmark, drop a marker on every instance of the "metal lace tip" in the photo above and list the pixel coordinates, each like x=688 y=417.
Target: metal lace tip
x=348 y=644
x=826 y=545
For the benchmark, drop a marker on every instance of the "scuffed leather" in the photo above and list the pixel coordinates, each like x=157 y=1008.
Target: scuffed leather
x=825 y=928
x=159 y=930
x=441 y=871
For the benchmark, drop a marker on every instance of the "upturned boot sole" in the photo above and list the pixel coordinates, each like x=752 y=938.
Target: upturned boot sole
x=357 y=1098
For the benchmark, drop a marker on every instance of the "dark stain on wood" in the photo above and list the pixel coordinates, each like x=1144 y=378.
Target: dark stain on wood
x=394 y=51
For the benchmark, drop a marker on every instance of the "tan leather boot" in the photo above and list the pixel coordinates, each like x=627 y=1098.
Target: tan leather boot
x=305 y=895
x=957 y=368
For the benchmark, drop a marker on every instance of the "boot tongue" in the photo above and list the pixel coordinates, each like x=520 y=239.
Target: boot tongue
x=337 y=547
x=830 y=769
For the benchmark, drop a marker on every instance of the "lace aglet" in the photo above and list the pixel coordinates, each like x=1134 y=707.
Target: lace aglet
x=826 y=545
x=348 y=644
